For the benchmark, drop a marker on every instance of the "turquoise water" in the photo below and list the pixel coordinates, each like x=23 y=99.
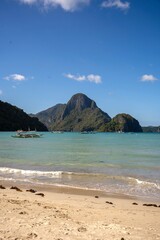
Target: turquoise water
x=116 y=163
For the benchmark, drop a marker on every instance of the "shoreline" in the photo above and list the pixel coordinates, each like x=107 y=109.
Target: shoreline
x=73 y=190
x=68 y=214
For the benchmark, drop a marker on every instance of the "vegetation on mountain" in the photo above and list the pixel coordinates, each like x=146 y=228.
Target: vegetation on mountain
x=13 y=118
x=52 y=115
x=123 y=123
x=79 y=114
x=87 y=120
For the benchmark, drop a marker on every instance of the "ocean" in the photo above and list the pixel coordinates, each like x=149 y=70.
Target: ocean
x=117 y=163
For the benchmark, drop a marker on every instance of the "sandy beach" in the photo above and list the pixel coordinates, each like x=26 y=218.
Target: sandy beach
x=74 y=214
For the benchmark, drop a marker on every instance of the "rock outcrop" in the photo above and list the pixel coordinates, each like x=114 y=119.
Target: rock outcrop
x=123 y=123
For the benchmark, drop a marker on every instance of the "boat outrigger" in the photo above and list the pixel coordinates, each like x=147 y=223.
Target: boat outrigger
x=27 y=134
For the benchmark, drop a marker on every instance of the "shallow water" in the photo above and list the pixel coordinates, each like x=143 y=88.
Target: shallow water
x=116 y=163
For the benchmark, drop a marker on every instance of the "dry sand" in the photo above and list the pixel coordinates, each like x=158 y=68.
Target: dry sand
x=67 y=214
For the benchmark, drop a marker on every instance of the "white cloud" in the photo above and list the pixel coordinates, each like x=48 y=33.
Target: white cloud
x=94 y=78
x=117 y=4
x=1 y=92
x=91 y=78
x=67 y=5
x=78 y=78
x=15 y=77
x=148 y=78
x=28 y=1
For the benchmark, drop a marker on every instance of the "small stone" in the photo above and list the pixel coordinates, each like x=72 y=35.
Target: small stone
x=16 y=188
x=96 y=196
x=31 y=190
x=40 y=194
x=109 y=202
x=23 y=213
x=135 y=203
x=150 y=205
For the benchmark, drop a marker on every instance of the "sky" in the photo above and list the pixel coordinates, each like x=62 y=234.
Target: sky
x=106 y=49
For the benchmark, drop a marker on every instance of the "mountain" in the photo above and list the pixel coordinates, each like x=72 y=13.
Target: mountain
x=51 y=115
x=151 y=129
x=82 y=114
x=122 y=122
x=13 y=118
x=79 y=114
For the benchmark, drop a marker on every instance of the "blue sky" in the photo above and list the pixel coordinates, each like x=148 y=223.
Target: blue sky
x=106 y=49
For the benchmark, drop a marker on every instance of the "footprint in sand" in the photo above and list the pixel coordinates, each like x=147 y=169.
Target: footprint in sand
x=82 y=229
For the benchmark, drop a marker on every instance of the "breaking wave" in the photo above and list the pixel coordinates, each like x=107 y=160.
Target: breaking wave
x=51 y=174
x=80 y=179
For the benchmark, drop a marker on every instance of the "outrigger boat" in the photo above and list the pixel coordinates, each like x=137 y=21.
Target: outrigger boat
x=27 y=134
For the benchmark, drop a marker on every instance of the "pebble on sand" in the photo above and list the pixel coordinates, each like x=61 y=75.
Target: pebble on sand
x=16 y=188
x=31 y=190
x=40 y=194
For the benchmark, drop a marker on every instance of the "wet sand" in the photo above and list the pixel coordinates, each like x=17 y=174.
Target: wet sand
x=65 y=213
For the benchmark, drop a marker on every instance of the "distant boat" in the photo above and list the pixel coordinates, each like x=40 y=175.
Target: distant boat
x=27 y=134
x=120 y=131
x=88 y=132
x=57 y=132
